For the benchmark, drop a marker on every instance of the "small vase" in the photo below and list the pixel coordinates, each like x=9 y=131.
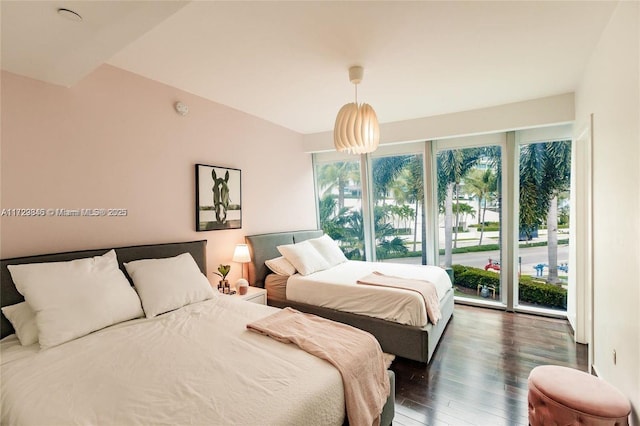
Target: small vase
x=242 y=286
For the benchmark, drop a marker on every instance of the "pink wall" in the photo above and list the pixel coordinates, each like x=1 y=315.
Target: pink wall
x=115 y=141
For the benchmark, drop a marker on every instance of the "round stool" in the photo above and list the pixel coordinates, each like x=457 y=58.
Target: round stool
x=564 y=396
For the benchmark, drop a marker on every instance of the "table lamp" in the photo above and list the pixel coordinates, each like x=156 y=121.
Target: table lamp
x=241 y=255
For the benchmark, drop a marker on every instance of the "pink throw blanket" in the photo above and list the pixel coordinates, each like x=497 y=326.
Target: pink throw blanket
x=355 y=353
x=426 y=288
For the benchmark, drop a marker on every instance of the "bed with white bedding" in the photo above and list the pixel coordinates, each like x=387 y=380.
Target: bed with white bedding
x=142 y=372
x=337 y=288
x=397 y=317
x=197 y=364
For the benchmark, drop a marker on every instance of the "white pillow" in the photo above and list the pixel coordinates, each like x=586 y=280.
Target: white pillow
x=329 y=249
x=304 y=257
x=72 y=299
x=23 y=320
x=168 y=284
x=281 y=266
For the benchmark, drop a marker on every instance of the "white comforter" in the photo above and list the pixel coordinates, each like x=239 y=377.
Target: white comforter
x=197 y=365
x=336 y=288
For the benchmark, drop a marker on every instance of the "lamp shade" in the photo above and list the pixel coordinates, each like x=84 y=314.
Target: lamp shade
x=241 y=254
x=356 y=130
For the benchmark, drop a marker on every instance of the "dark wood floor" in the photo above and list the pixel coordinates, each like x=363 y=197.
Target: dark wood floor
x=478 y=375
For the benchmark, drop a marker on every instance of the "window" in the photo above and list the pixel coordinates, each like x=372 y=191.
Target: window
x=339 y=202
x=544 y=181
x=469 y=207
x=492 y=209
x=398 y=206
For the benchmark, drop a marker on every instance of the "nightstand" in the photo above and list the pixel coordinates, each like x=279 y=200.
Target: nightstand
x=254 y=295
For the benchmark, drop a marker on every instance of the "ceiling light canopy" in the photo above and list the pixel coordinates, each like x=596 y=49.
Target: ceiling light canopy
x=356 y=130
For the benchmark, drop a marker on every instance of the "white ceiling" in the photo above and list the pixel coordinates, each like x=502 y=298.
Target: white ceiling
x=38 y=43
x=287 y=62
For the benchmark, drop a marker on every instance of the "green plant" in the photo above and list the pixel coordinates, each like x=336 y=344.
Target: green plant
x=223 y=271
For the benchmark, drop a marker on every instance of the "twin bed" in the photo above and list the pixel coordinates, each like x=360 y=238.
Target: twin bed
x=197 y=364
x=397 y=318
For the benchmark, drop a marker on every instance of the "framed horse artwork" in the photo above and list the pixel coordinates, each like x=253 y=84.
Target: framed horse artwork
x=218 y=198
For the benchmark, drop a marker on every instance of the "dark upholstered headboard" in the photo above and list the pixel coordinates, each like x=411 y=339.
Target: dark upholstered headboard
x=10 y=296
x=264 y=247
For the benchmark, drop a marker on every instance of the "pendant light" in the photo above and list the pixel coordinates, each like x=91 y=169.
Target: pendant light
x=356 y=130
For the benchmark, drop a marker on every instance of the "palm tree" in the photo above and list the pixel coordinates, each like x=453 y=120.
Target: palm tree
x=557 y=178
x=401 y=212
x=545 y=170
x=493 y=157
x=534 y=202
x=389 y=248
x=407 y=214
x=465 y=210
x=352 y=235
x=396 y=216
x=408 y=187
x=415 y=192
x=385 y=173
x=387 y=245
x=337 y=176
x=453 y=166
x=481 y=183
x=385 y=170
x=331 y=219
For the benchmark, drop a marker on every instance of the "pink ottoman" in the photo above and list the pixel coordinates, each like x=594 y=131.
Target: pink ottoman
x=564 y=396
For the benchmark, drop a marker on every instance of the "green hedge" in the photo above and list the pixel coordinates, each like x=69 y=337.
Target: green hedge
x=472 y=249
x=530 y=290
x=541 y=293
x=487 y=228
x=466 y=276
x=489 y=247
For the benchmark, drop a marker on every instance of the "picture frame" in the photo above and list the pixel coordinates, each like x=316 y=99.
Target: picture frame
x=218 y=198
